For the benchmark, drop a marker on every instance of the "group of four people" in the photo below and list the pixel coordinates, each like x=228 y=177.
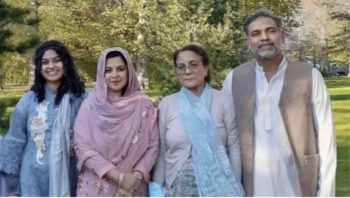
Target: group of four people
x=269 y=132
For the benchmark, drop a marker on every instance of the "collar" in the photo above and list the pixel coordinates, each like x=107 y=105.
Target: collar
x=282 y=66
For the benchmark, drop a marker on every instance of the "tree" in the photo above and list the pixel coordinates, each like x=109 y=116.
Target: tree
x=314 y=39
x=339 y=10
x=88 y=27
x=10 y=17
x=151 y=30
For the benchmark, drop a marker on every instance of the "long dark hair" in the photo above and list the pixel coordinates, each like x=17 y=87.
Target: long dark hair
x=70 y=82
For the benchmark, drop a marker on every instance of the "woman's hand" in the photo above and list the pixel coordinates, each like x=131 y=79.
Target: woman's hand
x=130 y=182
x=138 y=175
x=123 y=193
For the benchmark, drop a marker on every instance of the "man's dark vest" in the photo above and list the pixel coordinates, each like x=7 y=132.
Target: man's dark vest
x=296 y=109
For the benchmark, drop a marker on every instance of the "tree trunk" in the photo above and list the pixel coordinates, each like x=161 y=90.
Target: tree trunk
x=349 y=66
x=142 y=74
x=1 y=77
x=34 y=31
x=142 y=64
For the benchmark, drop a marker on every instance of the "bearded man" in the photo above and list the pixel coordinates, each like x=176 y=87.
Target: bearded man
x=284 y=118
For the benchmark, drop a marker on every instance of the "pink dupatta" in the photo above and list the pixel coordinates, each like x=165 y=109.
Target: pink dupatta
x=118 y=130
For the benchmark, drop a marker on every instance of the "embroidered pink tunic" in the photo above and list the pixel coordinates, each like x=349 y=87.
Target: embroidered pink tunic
x=116 y=133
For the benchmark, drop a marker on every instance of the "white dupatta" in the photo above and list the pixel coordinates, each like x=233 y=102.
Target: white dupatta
x=59 y=185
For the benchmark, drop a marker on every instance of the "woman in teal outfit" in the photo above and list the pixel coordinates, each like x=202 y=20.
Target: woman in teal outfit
x=37 y=148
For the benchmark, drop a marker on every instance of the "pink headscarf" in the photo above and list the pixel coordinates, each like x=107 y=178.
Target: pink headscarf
x=101 y=86
x=116 y=128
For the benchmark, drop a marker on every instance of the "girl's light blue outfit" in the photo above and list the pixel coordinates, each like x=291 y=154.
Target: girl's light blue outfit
x=2 y=179
x=25 y=149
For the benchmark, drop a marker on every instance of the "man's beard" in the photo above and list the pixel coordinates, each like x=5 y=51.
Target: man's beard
x=266 y=54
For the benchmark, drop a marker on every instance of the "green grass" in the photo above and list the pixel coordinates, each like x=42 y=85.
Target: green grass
x=8 y=100
x=339 y=89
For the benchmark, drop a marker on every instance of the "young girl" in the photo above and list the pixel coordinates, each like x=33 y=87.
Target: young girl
x=37 y=148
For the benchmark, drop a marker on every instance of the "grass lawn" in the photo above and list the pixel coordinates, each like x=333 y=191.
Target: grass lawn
x=8 y=99
x=339 y=89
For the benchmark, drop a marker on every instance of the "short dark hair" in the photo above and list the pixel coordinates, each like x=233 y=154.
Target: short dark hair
x=198 y=50
x=258 y=14
x=71 y=81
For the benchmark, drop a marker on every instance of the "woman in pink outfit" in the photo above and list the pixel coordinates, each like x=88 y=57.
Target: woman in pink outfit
x=116 y=133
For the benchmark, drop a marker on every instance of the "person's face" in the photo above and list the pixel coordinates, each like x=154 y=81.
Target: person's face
x=52 y=68
x=265 y=39
x=190 y=71
x=116 y=75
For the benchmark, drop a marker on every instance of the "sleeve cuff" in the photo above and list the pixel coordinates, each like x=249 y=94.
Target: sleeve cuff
x=104 y=170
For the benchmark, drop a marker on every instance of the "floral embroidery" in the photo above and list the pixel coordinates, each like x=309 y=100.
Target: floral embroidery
x=37 y=130
x=102 y=186
x=80 y=182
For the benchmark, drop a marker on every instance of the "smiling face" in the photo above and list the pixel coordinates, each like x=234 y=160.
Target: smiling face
x=190 y=71
x=52 y=68
x=116 y=75
x=265 y=39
